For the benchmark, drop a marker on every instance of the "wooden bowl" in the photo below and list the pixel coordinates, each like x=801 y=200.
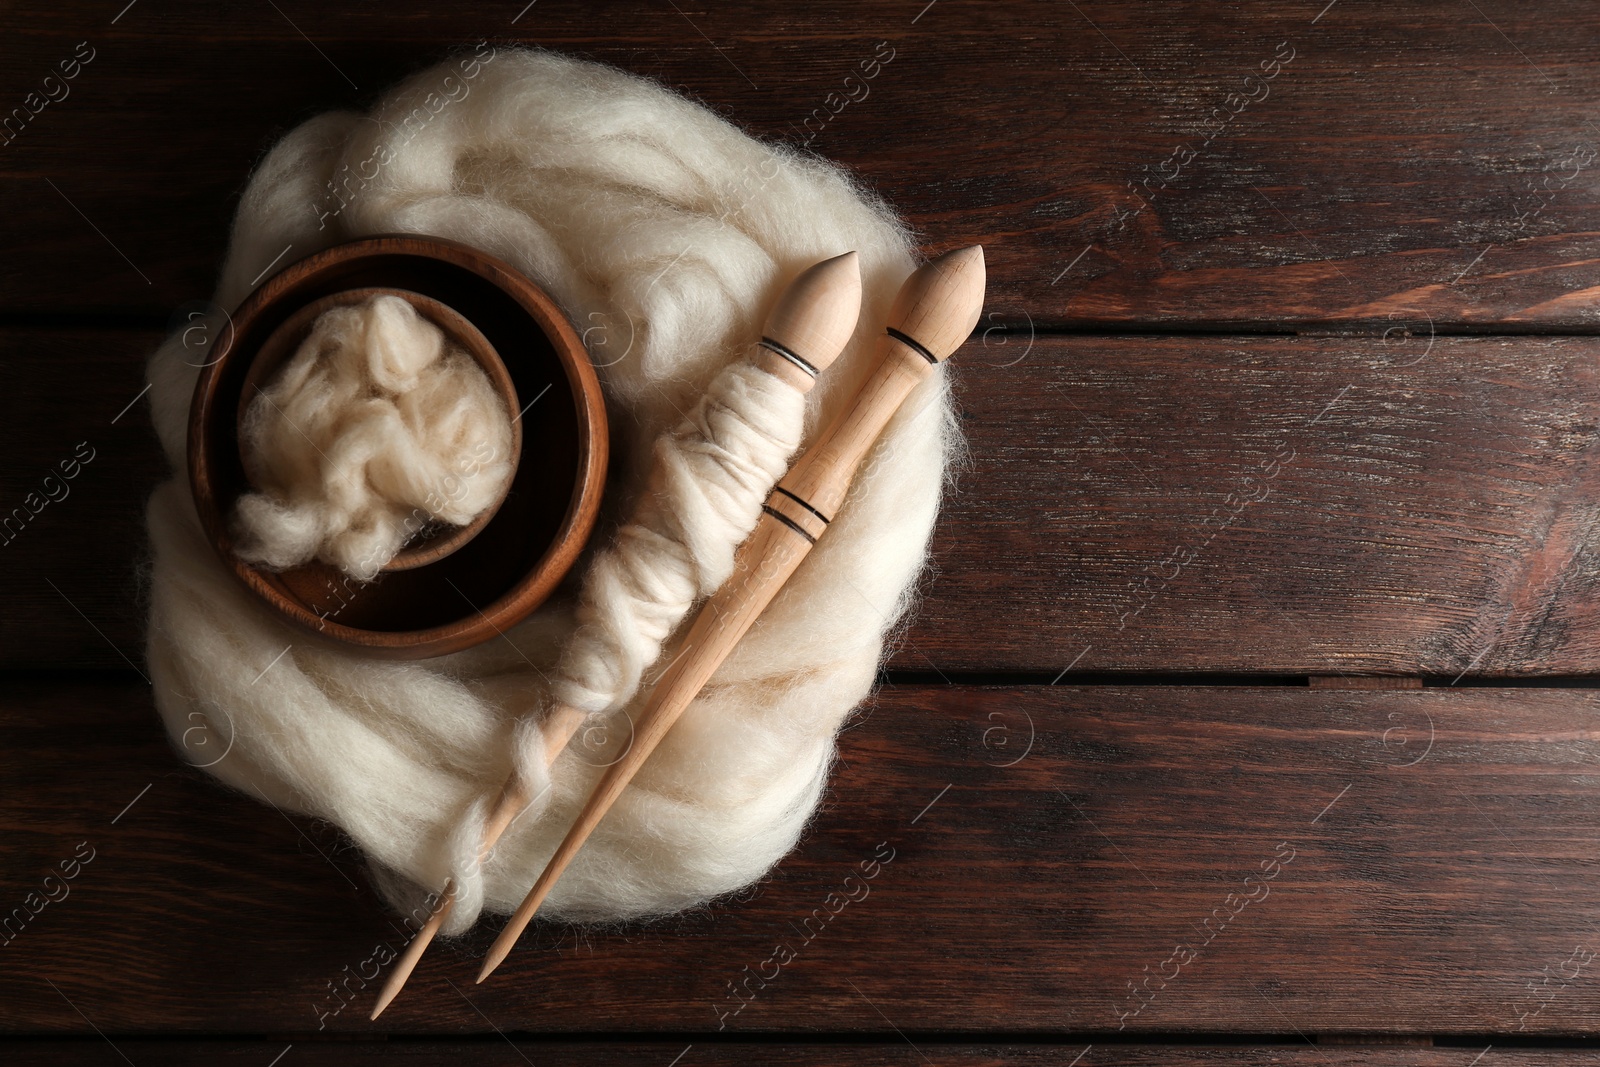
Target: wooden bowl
x=517 y=559
x=436 y=540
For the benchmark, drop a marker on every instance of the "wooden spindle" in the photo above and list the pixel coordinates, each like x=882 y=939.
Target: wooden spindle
x=805 y=332
x=935 y=311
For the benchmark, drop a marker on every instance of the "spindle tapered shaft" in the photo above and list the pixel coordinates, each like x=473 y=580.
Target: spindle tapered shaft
x=805 y=332
x=936 y=310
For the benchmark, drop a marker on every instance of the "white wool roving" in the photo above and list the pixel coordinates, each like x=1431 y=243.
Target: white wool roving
x=665 y=234
x=376 y=428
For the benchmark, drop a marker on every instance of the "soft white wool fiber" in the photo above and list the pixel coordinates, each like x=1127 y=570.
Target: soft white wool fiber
x=376 y=428
x=664 y=232
x=710 y=478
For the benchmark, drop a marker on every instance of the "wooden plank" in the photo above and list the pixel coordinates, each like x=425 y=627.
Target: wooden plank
x=70 y=547
x=1411 y=862
x=506 y=1052
x=1433 y=510
x=1121 y=164
x=1282 y=505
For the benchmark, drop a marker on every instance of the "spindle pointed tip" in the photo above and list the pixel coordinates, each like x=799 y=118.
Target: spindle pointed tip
x=497 y=955
x=970 y=255
x=817 y=313
x=940 y=303
x=391 y=989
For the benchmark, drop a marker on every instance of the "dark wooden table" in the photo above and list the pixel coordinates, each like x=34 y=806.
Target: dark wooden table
x=1250 y=708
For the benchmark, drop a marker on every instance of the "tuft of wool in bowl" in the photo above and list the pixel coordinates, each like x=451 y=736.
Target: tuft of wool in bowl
x=377 y=427
x=665 y=234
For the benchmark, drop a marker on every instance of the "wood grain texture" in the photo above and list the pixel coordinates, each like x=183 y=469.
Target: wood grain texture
x=1294 y=505
x=505 y=1052
x=1392 y=502
x=988 y=860
x=1403 y=163
x=1433 y=510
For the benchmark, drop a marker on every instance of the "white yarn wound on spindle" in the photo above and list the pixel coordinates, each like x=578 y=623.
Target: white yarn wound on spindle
x=710 y=478
x=665 y=234
x=376 y=428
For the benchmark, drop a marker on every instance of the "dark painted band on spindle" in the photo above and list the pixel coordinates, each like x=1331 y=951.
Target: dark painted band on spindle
x=803 y=504
x=772 y=346
x=789 y=523
x=912 y=343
